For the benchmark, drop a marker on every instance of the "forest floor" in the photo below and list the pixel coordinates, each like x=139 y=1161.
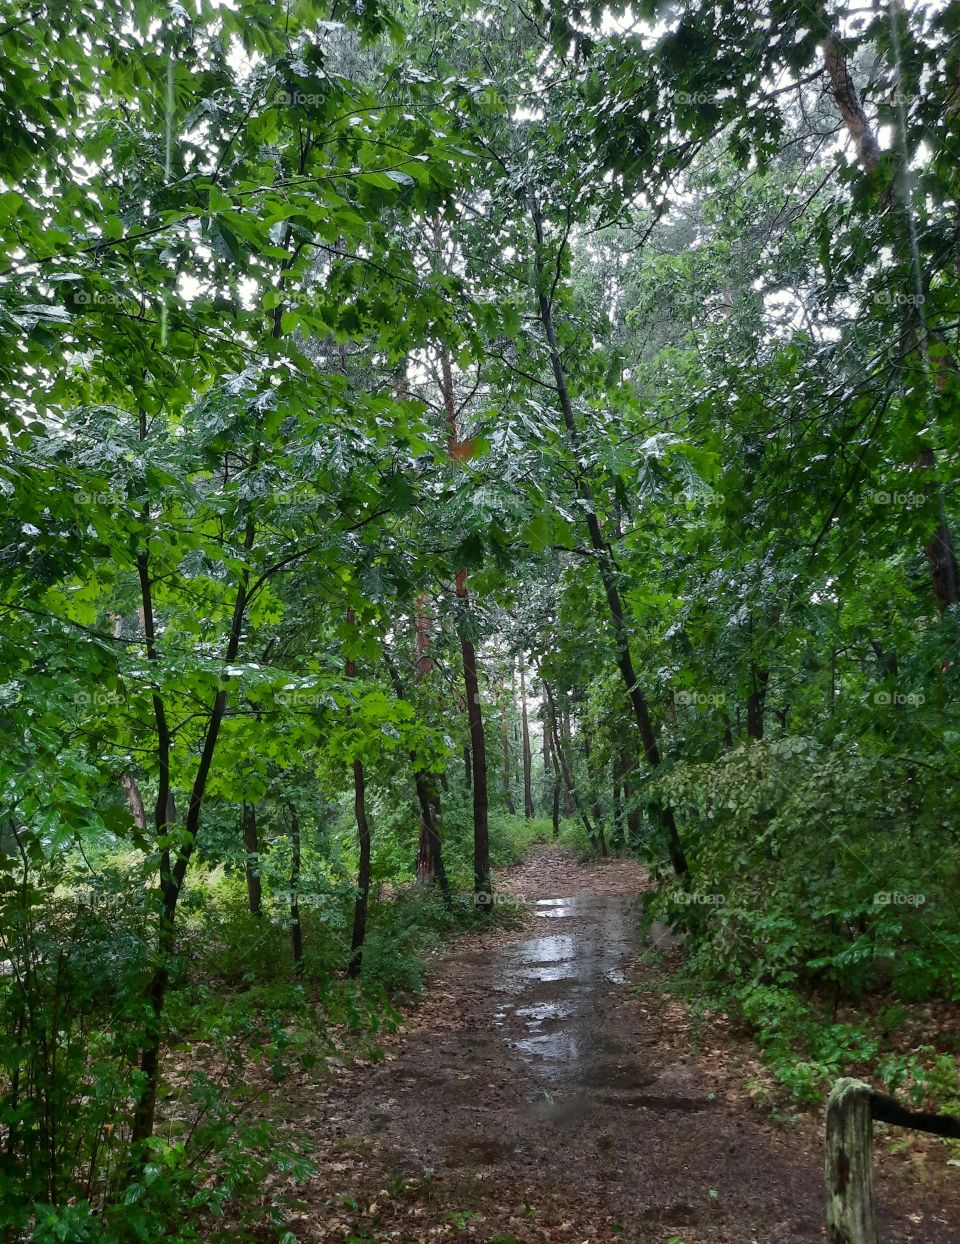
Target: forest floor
x=547 y=1089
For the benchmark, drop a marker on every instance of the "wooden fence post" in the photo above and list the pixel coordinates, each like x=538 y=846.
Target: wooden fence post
x=848 y=1166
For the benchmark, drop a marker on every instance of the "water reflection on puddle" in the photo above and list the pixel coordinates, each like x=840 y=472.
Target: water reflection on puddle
x=557 y=984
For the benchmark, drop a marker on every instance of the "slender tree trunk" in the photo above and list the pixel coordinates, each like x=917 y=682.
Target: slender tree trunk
x=173 y=872
x=600 y=841
x=363 y=870
x=551 y=765
x=756 y=701
x=135 y=800
x=566 y=757
x=940 y=551
x=528 y=810
x=429 y=867
x=251 y=860
x=482 y=881
x=482 y=877
x=634 y=816
x=296 y=928
x=363 y=843
x=505 y=745
x=618 y=835
x=564 y=766
x=605 y=563
x=425 y=800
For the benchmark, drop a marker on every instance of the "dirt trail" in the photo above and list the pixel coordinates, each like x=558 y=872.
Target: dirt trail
x=538 y=1096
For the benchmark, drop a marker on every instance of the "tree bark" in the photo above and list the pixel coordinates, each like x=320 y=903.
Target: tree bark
x=605 y=564
x=566 y=756
x=135 y=800
x=551 y=767
x=296 y=928
x=600 y=841
x=528 y=810
x=251 y=860
x=363 y=870
x=363 y=843
x=505 y=747
x=756 y=700
x=430 y=841
x=940 y=551
x=482 y=881
x=564 y=766
x=482 y=878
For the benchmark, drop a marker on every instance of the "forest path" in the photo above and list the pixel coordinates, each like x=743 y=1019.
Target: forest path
x=538 y=1096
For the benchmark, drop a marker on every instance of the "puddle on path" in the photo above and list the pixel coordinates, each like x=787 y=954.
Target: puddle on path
x=558 y=986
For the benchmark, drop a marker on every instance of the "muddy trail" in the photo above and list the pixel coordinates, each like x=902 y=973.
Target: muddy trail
x=538 y=1094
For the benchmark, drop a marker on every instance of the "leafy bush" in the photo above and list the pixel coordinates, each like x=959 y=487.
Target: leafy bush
x=819 y=876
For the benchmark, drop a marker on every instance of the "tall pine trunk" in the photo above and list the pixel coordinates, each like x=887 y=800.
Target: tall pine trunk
x=525 y=746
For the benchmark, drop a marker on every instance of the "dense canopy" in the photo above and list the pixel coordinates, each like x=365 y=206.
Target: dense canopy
x=427 y=427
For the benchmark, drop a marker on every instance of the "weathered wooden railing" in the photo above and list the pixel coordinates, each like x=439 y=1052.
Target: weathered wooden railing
x=851 y=1110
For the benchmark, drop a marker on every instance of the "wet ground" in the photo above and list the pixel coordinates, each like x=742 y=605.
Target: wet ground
x=538 y=1098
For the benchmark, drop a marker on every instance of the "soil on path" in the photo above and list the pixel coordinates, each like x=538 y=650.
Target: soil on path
x=539 y=1095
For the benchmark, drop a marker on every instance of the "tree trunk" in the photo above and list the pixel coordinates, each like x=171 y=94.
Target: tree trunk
x=525 y=746
x=564 y=766
x=429 y=840
x=296 y=929
x=618 y=835
x=482 y=881
x=600 y=841
x=363 y=842
x=634 y=816
x=505 y=745
x=756 y=700
x=428 y=844
x=940 y=552
x=467 y=766
x=172 y=872
x=363 y=870
x=605 y=563
x=565 y=756
x=251 y=860
x=550 y=766
x=135 y=800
